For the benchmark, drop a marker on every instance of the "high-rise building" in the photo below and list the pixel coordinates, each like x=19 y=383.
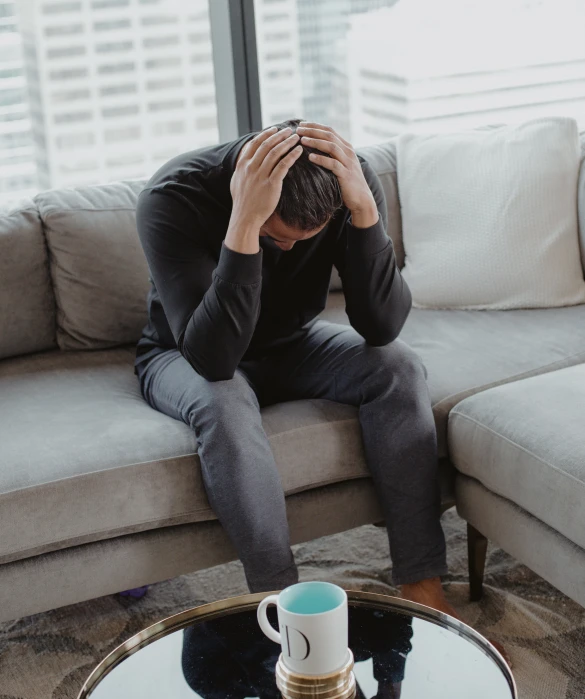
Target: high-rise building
x=17 y=164
x=323 y=27
x=279 y=67
x=116 y=86
x=411 y=67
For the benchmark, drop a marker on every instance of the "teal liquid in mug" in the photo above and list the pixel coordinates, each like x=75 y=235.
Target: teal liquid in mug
x=311 y=598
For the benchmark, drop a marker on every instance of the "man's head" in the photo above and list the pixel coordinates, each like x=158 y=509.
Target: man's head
x=310 y=196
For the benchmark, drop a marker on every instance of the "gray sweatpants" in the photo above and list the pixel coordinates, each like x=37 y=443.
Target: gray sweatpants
x=388 y=386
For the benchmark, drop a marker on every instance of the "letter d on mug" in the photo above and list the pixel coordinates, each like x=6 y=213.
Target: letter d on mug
x=312 y=618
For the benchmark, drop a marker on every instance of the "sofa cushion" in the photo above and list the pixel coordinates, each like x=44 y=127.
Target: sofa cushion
x=383 y=159
x=469 y=351
x=27 y=304
x=526 y=442
x=99 y=271
x=489 y=216
x=85 y=458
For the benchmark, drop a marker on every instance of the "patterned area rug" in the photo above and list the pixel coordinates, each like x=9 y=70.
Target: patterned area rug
x=49 y=656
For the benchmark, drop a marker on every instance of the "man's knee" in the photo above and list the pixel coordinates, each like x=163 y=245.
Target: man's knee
x=397 y=361
x=223 y=403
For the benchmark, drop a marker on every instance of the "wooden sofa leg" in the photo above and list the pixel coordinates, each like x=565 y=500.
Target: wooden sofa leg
x=476 y=555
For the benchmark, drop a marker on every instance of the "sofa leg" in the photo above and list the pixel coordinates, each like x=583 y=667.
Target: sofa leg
x=476 y=555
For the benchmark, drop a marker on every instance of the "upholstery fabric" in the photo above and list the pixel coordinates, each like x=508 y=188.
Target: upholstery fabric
x=27 y=305
x=81 y=573
x=469 y=351
x=90 y=434
x=530 y=541
x=99 y=271
x=526 y=442
x=85 y=457
x=489 y=217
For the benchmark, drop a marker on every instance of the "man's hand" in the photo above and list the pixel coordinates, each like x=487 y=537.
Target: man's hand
x=343 y=161
x=256 y=185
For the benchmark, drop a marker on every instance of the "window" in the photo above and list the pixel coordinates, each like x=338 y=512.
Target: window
x=70 y=117
x=200 y=100
x=58 y=8
x=203 y=79
x=114 y=47
x=169 y=127
x=125 y=110
x=69 y=74
x=7 y=10
x=124 y=89
x=65 y=30
x=129 y=133
x=166 y=106
x=75 y=140
x=165 y=84
x=101 y=74
x=111 y=24
x=420 y=65
x=66 y=52
x=153 y=41
x=109 y=68
x=103 y=4
x=10 y=97
x=127 y=159
x=157 y=20
x=10 y=73
x=14 y=140
x=70 y=95
x=204 y=58
x=168 y=62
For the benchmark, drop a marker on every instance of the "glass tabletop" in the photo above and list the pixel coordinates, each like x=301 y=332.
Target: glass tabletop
x=217 y=651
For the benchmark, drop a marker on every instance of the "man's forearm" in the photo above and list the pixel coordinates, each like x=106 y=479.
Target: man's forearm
x=365 y=217
x=243 y=234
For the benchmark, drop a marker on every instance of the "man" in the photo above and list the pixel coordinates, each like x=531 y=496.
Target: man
x=240 y=240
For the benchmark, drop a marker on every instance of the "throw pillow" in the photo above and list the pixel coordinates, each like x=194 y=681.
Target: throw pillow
x=489 y=217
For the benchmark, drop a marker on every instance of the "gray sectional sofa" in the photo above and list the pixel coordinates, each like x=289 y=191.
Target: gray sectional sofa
x=100 y=493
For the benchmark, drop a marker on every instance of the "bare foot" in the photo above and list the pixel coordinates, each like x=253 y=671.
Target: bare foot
x=430 y=593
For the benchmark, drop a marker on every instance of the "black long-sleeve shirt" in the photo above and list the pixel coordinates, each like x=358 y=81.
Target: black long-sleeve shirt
x=219 y=306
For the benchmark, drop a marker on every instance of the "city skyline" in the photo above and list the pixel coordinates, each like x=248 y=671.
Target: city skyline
x=94 y=91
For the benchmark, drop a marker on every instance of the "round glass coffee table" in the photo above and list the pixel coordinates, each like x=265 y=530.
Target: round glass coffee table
x=217 y=651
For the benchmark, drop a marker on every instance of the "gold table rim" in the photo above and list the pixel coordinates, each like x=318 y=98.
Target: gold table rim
x=241 y=603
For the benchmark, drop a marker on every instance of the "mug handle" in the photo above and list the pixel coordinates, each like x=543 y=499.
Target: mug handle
x=265 y=625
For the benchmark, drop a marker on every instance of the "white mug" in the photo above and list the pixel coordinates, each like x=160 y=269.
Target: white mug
x=312 y=617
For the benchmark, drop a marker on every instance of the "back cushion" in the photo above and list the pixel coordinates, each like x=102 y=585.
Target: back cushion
x=27 y=305
x=382 y=157
x=100 y=274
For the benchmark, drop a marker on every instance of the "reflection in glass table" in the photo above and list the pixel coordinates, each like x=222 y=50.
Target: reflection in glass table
x=217 y=651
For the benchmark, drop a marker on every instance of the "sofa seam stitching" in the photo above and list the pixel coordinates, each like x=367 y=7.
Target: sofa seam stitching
x=319 y=484
x=517 y=377
x=519 y=447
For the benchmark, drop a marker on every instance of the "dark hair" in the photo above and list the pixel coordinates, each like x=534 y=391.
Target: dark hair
x=310 y=193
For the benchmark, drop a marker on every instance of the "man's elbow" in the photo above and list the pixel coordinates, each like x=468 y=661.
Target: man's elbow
x=385 y=330
x=210 y=370
x=382 y=337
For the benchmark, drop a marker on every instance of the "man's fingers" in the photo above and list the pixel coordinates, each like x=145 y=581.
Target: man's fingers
x=285 y=164
x=331 y=147
x=330 y=163
x=310 y=125
x=254 y=144
x=276 y=152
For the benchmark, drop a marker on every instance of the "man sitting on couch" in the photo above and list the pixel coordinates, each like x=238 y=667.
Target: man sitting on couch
x=240 y=240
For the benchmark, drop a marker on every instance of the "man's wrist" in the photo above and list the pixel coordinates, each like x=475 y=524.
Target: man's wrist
x=366 y=216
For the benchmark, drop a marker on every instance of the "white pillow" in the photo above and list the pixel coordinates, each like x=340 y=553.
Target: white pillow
x=489 y=217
